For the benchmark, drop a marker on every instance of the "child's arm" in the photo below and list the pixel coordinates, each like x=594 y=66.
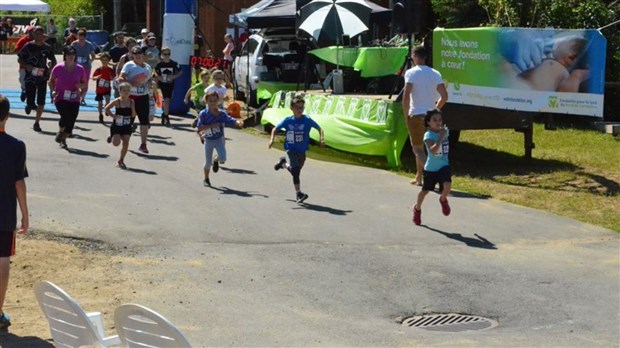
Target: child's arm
x=433 y=146
x=108 y=108
x=133 y=109
x=20 y=190
x=188 y=94
x=321 y=137
x=273 y=135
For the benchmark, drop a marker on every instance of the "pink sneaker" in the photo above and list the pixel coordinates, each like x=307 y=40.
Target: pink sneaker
x=143 y=148
x=445 y=207
x=417 y=216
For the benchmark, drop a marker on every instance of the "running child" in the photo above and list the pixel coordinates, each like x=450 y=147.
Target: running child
x=103 y=77
x=211 y=123
x=219 y=87
x=297 y=128
x=166 y=72
x=123 y=116
x=199 y=91
x=437 y=168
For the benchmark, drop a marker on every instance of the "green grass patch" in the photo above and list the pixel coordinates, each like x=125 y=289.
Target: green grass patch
x=573 y=172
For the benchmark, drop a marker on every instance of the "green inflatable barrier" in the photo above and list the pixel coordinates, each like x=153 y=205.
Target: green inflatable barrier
x=352 y=124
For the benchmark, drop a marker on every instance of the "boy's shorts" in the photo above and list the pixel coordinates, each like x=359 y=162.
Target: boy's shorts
x=166 y=90
x=7 y=243
x=296 y=159
x=100 y=96
x=431 y=179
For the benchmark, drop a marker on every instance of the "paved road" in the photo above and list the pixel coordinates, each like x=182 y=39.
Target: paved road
x=243 y=265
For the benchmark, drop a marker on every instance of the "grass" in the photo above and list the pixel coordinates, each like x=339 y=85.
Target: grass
x=573 y=172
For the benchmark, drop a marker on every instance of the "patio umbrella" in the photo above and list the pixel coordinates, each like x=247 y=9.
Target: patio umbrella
x=327 y=20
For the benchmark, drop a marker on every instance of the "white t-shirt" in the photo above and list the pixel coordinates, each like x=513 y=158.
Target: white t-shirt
x=140 y=73
x=220 y=90
x=424 y=92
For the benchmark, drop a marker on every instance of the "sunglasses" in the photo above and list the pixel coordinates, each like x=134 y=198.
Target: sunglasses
x=165 y=54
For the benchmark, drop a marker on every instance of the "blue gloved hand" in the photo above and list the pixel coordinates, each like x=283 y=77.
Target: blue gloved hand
x=524 y=48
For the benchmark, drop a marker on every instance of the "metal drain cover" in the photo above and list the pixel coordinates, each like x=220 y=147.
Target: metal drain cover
x=450 y=322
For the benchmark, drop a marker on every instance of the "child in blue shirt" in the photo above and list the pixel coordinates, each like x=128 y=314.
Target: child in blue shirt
x=211 y=123
x=437 y=167
x=297 y=130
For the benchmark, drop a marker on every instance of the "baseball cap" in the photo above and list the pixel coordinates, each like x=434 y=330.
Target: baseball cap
x=144 y=31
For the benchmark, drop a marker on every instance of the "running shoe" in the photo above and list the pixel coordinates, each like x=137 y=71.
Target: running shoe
x=101 y=118
x=83 y=102
x=37 y=127
x=445 y=207
x=163 y=120
x=28 y=109
x=216 y=165
x=206 y=182
x=121 y=165
x=63 y=143
x=167 y=121
x=22 y=96
x=301 y=197
x=5 y=321
x=280 y=164
x=417 y=216
x=58 y=138
x=143 y=148
x=109 y=140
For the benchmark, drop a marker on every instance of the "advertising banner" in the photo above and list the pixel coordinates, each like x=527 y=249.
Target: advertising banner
x=537 y=70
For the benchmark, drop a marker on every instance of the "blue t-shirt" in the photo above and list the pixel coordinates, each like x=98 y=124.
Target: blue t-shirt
x=206 y=118
x=297 y=131
x=434 y=162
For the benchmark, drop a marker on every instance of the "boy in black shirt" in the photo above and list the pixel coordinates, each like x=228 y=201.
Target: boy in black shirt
x=167 y=71
x=12 y=190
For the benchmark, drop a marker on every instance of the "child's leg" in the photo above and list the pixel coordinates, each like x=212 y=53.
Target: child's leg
x=100 y=106
x=166 y=106
x=209 y=146
x=421 y=197
x=125 y=138
x=221 y=150
x=116 y=139
x=447 y=186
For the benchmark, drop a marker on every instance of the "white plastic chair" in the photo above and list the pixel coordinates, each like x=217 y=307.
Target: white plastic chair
x=141 y=327
x=69 y=325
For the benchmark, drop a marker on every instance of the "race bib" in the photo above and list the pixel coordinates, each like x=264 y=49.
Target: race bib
x=212 y=131
x=445 y=147
x=82 y=60
x=69 y=95
x=294 y=137
x=138 y=90
x=123 y=121
x=164 y=78
x=2 y=32
x=103 y=83
x=37 y=72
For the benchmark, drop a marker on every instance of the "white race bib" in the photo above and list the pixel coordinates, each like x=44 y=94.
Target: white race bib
x=140 y=90
x=69 y=95
x=123 y=120
x=38 y=72
x=103 y=83
x=82 y=60
x=164 y=78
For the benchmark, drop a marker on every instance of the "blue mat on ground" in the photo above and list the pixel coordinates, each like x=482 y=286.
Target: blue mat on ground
x=17 y=104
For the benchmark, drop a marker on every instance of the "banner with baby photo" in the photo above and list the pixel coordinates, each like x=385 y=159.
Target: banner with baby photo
x=538 y=70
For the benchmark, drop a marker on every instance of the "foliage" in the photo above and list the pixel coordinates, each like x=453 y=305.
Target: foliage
x=77 y=7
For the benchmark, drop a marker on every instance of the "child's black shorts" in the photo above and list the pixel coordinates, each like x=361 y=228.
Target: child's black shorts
x=431 y=179
x=166 y=90
x=99 y=96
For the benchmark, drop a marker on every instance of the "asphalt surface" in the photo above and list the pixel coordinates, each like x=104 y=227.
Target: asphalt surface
x=241 y=264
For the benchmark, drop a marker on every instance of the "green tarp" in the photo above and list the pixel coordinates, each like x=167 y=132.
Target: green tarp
x=266 y=89
x=358 y=125
x=369 y=61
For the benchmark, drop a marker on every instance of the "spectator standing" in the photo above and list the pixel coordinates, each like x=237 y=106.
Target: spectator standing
x=151 y=52
x=422 y=86
x=4 y=36
x=143 y=40
x=34 y=57
x=119 y=48
x=12 y=191
x=199 y=42
x=72 y=29
x=86 y=53
x=52 y=31
x=228 y=51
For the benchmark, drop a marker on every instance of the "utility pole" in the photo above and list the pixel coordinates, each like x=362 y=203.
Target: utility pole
x=118 y=17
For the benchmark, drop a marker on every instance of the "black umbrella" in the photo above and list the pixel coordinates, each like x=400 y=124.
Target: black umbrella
x=327 y=20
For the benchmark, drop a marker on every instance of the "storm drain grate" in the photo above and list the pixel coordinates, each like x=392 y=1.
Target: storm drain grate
x=450 y=322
